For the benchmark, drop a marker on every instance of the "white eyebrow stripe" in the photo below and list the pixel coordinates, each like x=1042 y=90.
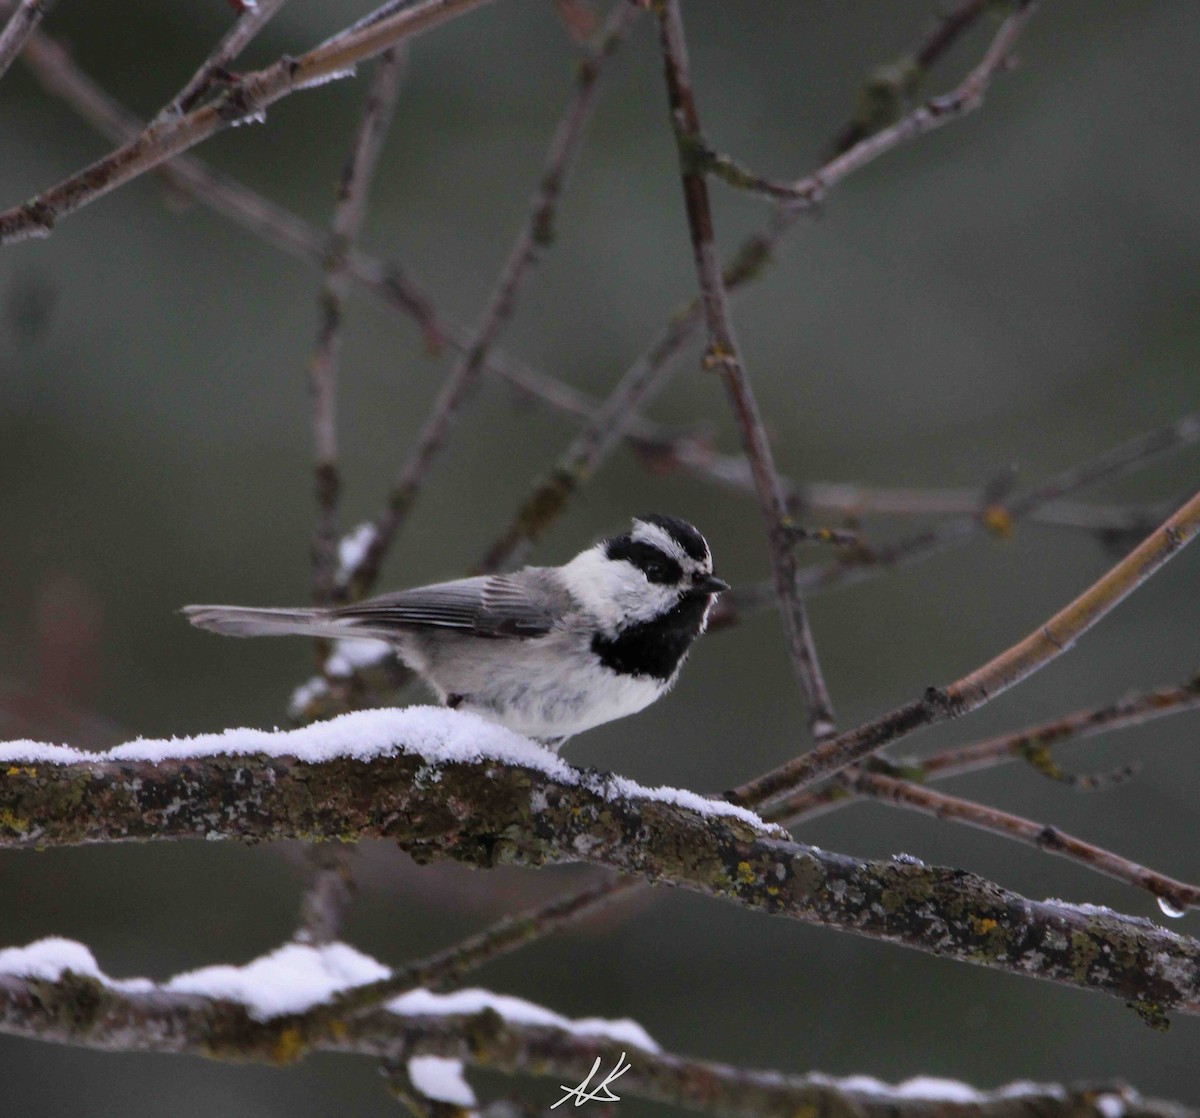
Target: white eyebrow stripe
x=655 y=536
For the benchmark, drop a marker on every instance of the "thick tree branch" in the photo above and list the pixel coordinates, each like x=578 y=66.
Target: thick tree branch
x=88 y=1011
x=529 y=807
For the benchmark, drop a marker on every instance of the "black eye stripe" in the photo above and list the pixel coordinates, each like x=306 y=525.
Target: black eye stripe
x=656 y=566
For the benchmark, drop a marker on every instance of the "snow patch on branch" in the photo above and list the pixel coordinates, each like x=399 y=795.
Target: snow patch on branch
x=517 y=1011
x=290 y=979
x=49 y=959
x=295 y=977
x=437 y=735
x=441 y=1079
x=352 y=550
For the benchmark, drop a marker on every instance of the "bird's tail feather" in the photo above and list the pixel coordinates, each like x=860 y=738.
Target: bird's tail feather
x=246 y=621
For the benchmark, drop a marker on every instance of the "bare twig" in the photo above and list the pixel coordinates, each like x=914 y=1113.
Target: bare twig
x=723 y=356
x=21 y=24
x=935 y=113
x=253 y=19
x=535 y=234
x=242 y=101
x=1132 y=711
x=349 y=212
x=650 y=372
x=1045 y=644
x=886 y=93
x=861 y=564
x=328 y=894
x=1177 y=895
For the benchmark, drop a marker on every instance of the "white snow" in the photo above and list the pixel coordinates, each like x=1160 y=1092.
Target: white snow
x=350 y=656
x=437 y=1077
x=49 y=958
x=297 y=976
x=325 y=79
x=352 y=547
x=288 y=980
x=426 y=1003
x=438 y=735
x=935 y=1089
x=306 y=693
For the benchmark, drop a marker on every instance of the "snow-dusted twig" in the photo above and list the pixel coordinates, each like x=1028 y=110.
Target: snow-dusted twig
x=442 y=784
x=1046 y=643
x=723 y=356
x=54 y=991
x=21 y=24
x=648 y=375
x=350 y=210
x=253 y=19
x=535 y=234
x=243 y=100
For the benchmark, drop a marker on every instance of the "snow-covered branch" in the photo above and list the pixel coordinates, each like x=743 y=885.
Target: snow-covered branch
x=442 y=783
x=55 y=991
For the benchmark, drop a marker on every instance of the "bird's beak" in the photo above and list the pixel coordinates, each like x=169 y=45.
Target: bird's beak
x=709 y=584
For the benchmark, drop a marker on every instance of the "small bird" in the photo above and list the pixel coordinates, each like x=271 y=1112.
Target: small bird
x=546 y=651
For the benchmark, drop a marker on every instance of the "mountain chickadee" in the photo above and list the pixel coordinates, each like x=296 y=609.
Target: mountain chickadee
x=546 y=651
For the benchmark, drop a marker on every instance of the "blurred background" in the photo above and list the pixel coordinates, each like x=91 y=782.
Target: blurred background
x=1018 y=288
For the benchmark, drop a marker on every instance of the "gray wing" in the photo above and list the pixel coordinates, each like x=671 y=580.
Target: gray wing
x=520 y=605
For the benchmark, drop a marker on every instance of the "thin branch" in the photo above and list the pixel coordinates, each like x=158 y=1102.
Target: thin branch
x=723 y=355
x=862 y=564
x=647 y=376
x=383 y=279
x=497 y=810
x=243 y=101
x=535 y=234
x=328 y=894
x=935 y=113
x=21 y=24
x=1045 y=644
x=884 y=95
x=349 y=213
x=1132 y=711
x=386 y=281
x=253 y=19
x=1175 y=895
